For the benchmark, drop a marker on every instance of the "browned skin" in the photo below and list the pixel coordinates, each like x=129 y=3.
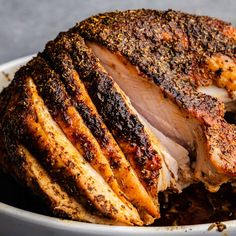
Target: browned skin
x=165 y=44
x=173 y=49
x=223 y=137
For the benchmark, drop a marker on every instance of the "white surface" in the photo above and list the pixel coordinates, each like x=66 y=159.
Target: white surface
x=17 y=222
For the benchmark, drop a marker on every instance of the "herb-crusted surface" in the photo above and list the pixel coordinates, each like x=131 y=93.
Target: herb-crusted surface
x=171 y=48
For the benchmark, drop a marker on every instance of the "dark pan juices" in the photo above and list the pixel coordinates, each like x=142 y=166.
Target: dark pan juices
x=195 y=205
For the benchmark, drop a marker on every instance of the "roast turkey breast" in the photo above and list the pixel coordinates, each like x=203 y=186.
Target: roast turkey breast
x=119 y=108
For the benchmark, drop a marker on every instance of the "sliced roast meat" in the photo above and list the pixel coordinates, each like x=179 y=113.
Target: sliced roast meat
x=119 y=108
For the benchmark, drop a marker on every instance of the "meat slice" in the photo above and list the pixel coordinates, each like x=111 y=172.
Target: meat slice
x=176 y=160
x=16 y=160
x=158 y=61
x=201 y=49
x=31 y=124
x=26 y=169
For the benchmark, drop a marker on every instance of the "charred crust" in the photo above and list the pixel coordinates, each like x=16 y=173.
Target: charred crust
x=49 y=87
x=93 y=123
x=114 y=111
x=56 y=55
x=115 y=164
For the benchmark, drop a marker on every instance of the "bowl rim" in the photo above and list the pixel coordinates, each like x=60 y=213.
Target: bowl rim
x=83 y=227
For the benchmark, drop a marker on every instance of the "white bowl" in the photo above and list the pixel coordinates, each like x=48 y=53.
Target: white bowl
x=14 y=221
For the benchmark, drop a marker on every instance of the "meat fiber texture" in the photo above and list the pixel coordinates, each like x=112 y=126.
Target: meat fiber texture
x=121 y=107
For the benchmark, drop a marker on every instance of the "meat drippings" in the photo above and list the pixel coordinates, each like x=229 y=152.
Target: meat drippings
x=195 y=205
